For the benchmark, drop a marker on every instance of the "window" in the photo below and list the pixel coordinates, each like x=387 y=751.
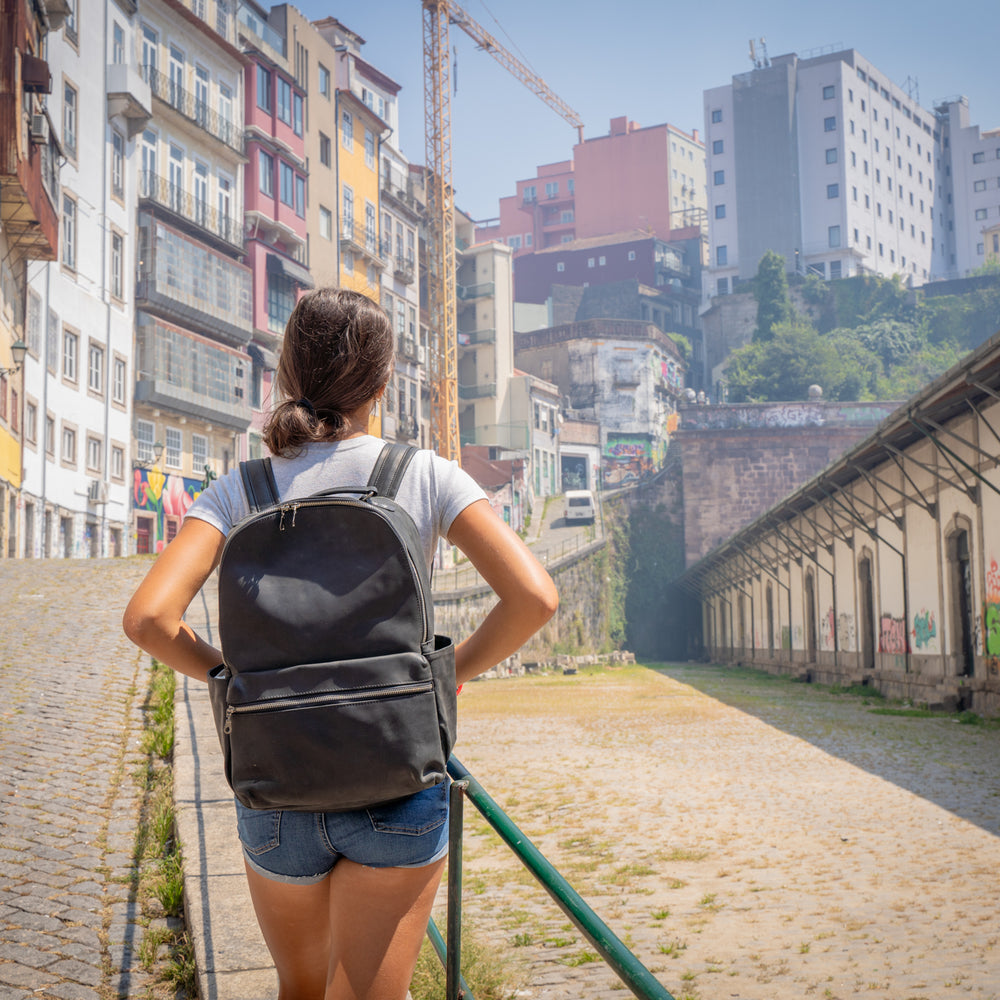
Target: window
x=530 y=193
x=601 y=261
x=69 y=445
x=50 y=435
x=117 y=164
x=117 y=257
x=590 y=262
x=976 y=157
x=833 y=236
x=369 y=148
x=717 y=146
x=833 y=190
x=287 y=188
x=264 y=99
x=284 y=100
x=71 y=345
x=69 y=119
x=566 y=215
x=347 y=219
x=831 y=155
x=854 y=159
x=829 y=92
x=980 y=214
x=118 y=381
x=631 y=253
x=117 y=462
x=835 y=269
x=118 y=44
x=297 y=108
x=31 y=422
x=514 y=242
x=145 y=431
x=979 y=186
x=95 y=368
x=560 y=266
x=324 y=149
x=720 y=211
x=325 y=223
x=721 y=256
x=324 y=80
x=830 y=124
x=199 y=452
x=94 y=455
x=172 y=450
x=716 y=115
x=300 y=196
x=719 y=177
x=552 y=189
x=265 y=170
x=722 y=286
x=347 y=130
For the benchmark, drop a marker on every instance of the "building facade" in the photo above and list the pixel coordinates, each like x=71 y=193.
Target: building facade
x=194 y=305
x=827 y=162
x=652 y=179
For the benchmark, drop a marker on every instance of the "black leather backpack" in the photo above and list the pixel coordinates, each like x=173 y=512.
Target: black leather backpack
x=334 y=693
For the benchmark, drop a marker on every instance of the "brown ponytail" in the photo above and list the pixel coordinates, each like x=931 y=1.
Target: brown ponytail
x=336 y=357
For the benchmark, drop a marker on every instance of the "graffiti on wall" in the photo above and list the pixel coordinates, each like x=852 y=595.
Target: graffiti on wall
x=892 y=635
x=924 y=628
x=628 y=458
x=991 y=610
x=827 y=629
x=845 y=631
x=162 y=496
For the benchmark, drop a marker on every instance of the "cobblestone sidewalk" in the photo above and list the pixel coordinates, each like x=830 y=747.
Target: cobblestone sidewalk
x=71 y=695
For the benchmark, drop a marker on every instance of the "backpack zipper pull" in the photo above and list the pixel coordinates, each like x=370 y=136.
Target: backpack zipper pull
x=228 y=727
x=285 y=507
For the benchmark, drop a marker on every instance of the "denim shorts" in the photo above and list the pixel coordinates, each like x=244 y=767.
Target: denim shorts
x=303 y=847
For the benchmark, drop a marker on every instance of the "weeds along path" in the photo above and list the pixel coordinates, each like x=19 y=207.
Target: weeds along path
x=746 y=836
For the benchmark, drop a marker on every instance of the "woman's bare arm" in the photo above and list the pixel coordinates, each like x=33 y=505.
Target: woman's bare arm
x=527 y=595
x=153 y=619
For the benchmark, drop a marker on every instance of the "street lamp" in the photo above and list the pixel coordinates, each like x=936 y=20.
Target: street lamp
x=18 y=350
x=157 y=455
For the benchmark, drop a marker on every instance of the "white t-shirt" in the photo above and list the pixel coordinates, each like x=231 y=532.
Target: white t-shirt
x=433 y=491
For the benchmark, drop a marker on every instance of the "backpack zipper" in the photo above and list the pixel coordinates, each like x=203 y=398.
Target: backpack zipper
x=327 y=698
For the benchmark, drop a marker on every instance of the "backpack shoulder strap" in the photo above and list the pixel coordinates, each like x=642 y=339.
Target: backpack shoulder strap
x=258 y=482
x=389 y=468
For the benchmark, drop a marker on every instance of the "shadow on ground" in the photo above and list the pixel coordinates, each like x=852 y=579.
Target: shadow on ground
x=954 y=765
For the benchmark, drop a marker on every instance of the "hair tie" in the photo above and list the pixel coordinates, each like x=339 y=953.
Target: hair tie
x=305 y=403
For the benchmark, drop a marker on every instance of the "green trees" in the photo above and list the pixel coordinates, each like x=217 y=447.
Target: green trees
x=861 y=338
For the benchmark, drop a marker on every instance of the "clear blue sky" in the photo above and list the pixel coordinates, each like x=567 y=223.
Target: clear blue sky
x=650 y=60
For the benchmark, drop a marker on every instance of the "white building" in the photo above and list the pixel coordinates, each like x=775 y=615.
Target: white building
x=79 y=371
x=827 y=162
x=974 y=189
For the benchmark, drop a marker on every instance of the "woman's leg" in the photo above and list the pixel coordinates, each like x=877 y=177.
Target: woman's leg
x=378 y=918
x=294 y=920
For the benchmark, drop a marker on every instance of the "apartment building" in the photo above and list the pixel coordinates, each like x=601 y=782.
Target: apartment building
x=29 y=233
x=276 y=195
x=650 y=178
x=79 y=370
x=827 y=162
x=194 y=316
x=972 y=176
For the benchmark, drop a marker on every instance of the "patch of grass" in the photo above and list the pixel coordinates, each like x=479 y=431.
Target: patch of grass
x=522 y=940
x=580 y=958
x=682 y=854
x=907 y=713
x=858 y=691
x=661 y=914
x=489 y=972
x=672 y=948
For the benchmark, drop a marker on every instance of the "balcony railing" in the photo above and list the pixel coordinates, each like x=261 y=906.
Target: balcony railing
x=360 y=239
x=469 y=337
x=485 y=391
x=475 y=291
x=249 y=21
x=186 y=206
x=201 y=113
x=404 y=269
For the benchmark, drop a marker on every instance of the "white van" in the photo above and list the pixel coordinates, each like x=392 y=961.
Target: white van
x=580 y=506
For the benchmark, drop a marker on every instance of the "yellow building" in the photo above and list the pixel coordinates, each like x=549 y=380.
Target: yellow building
x=359 y=131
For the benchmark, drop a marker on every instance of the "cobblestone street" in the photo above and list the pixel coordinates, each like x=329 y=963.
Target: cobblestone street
x=71 y=695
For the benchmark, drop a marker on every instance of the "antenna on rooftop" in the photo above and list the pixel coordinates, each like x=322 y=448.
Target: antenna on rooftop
x=758 y=53
x=912 y=88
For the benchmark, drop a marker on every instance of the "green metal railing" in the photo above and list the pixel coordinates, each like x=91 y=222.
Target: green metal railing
x=625 y=965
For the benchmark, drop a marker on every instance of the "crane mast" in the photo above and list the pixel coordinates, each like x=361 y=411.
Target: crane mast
x=437 y=16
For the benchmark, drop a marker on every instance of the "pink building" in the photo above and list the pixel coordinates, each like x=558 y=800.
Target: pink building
x=275 y=186
x=652 y=179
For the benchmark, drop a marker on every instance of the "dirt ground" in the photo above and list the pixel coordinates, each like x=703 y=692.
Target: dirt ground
x=746 y=836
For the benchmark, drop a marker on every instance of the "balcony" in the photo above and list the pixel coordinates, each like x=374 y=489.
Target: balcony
x=270 y=42
x=482 y=290
x=216 y=14
x=129 y=95
x=362 y=240
x=404 y=269
x=485 y=391
x=398 y=186
x=183 y=372
x=189 y=283
x=187 y=208
x=178 y=97
x=406 y=428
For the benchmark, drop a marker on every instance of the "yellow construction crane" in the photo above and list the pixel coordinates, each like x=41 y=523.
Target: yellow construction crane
x=438 y=15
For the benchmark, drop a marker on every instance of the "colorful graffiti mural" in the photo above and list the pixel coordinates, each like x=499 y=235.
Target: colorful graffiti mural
x=628 y=458
x=991 y=609
x=162 y=496
x=892 y=635
x=924 y=628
